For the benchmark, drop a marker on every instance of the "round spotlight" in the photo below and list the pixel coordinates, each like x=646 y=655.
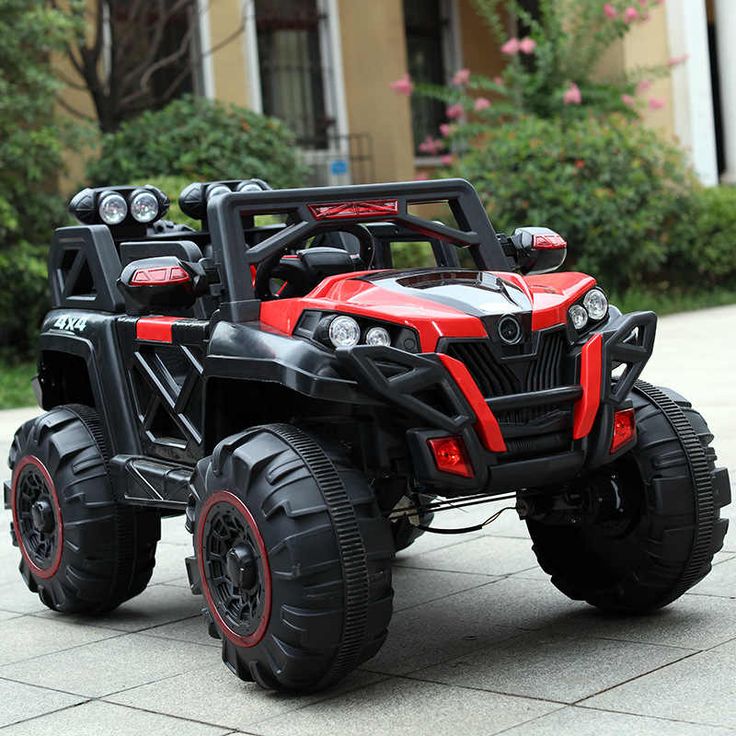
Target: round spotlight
x=113 y=209
x=596 y=304
x=218 y=190
x=144 y=207
x=377 y=336
x=248 y=186
x=344 y=332
x=509 y=329
x=578 y=316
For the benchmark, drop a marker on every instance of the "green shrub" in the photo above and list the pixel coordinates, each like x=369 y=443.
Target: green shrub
x=198 y=140
x=611 y=187
x=704 y=241
x=24 y=298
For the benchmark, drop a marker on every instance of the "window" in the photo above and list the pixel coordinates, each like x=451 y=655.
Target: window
x=429 y=47
x=291 y=69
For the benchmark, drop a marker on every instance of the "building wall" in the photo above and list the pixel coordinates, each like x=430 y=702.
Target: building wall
x=228 y=60
x=374 y=55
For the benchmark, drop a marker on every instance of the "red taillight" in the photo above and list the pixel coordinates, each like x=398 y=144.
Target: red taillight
x=353 y=210
x=159 y=276
x=624 y=428
x=548 y=241
x=451 y=456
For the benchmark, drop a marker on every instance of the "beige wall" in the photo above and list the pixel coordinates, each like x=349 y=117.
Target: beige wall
x=229 y=62
x=374 y=55
x=480 y=52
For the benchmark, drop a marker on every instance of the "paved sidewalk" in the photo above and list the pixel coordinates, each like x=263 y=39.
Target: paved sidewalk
x=480 y=641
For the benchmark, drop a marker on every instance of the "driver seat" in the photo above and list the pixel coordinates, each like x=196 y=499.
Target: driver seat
x=306 y=269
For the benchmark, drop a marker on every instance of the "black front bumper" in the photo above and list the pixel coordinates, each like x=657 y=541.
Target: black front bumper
x=422 y=387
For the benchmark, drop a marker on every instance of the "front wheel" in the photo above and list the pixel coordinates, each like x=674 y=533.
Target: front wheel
x=293 y=558
x=669 y=494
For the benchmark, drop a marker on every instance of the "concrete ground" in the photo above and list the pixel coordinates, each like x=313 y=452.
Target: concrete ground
x=480 y=640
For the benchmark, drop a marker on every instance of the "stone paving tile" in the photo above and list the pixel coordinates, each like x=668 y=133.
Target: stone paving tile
x=720 y=582
x=170 y=565
x=24 y=638
x=193 y=629
x=413 y=586
x=109 y=666
x=482 y=555
x=19 y=702
x=155 y=606
x=16 y=598
x=700 y=689
x=403 y=707
x=216 y=696
x=435 y=632
x=691 y=622
x=588 y=722
x=513 y=602
x=96 y=718
x=552 y=666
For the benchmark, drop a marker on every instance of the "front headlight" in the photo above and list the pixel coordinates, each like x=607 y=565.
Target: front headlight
x=344 y=332
x=596 y=304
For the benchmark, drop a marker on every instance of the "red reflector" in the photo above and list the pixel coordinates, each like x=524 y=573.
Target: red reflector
x=353 y=210
x=450 y=456
x=550 y=241
x=624 y=428
x=159 y=276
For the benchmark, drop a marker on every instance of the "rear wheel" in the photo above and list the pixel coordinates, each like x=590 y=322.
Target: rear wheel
x=667 y=525
x=292 y=556
x=81 y=550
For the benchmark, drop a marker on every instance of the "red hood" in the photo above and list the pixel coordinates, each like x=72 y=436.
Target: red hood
x=417 y=299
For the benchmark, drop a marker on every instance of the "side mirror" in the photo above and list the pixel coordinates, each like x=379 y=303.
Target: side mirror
x=165 y=281
x=538 y=249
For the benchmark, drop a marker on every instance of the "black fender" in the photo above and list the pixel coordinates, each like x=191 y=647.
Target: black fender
x=253 y=352
x=91 y=337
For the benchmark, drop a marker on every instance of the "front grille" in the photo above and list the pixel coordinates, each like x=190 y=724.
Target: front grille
x=527 y=430
x=494 y=378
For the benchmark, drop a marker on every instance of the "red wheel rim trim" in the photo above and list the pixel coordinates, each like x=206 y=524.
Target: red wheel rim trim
x=41 y=572
x=230 y=498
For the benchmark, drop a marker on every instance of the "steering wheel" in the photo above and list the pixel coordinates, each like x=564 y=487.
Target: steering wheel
x=302 y=271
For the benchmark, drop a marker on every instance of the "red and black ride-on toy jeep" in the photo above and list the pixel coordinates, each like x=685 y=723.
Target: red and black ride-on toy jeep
x=309 y=408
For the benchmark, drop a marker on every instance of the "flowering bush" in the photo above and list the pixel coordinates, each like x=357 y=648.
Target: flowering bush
x=551 y=71
x=615 y=191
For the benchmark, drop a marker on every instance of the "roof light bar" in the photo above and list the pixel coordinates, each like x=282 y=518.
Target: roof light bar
x=352 y=210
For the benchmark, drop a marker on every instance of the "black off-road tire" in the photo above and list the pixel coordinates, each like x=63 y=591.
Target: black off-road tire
x=98 y=553
x=672 y=534
x=315 y=549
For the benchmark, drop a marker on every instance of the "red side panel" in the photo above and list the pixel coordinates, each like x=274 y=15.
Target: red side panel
x=590 y=380
x=155 y=329
x=486 y=425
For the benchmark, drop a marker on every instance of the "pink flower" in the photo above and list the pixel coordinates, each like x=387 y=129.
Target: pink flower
x=677 y=60
x=644 y=3
x=430 y=146
x=421 y=176
x=403 y=85
x=511 y=47
x=498 y=81
x=628 y=100
x=454 y=111
x=446 y=129
x=631 y=14
x=527 y=45
x=644 y=86
x=482 y=103
x=572 y=95
x=461 y=77
x=447 y=160
x=610 y=11
x=656 y=103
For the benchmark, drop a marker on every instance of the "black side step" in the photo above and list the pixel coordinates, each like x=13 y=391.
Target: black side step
x=142 y=481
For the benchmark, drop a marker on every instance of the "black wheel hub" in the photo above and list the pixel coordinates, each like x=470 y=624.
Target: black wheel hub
x=241 y=567
x=234 y=568
x=37 y=522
